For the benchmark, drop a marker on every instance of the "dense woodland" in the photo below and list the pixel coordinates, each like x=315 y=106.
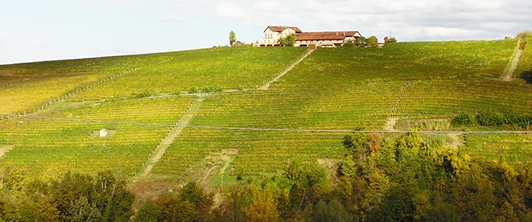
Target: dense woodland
x=381 y=178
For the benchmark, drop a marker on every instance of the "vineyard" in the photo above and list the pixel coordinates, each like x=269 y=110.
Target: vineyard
x=139 y=99
x=524 y=70
x=67 y=136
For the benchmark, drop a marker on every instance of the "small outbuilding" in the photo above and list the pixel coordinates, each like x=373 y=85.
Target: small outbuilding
x=103 y=133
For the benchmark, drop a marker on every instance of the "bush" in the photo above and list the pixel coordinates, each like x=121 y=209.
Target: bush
x=525 y=35
x=372 y=41
x=211 y=89
x=288 y=40
x=349 y=44
x=193 y=90
x=490 y=119
x=521 y=121
x=360 y=41
x=142 y=95
x=462 y=119
x=493 y=119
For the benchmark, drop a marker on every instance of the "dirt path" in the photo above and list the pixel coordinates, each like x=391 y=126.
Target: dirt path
x=390 y=123
x=266 y=85
x=454 y=140
x=169 y=139
x=216 y=160
x=4 y=150
x=508 y=74
x=399 y=98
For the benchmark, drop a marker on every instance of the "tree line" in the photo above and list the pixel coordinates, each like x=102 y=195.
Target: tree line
x=393 y=178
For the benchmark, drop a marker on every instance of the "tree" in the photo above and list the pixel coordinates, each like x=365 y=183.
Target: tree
x=349 y=44
x=232 y=38
x=201 y=200
x=288 y=40
x=397 y=205
x=333 y=211
x=525 y=35
x=148 y=212
x=360 y=41
x=171 y=208
x=372 y=41
x=389 y=40
x=111 y=197
x=307 y=180
x=263 y=205
x=82 y=210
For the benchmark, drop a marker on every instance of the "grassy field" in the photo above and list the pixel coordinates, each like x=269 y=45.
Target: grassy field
x=222 y=68
x=174 y=72
x=332 y=89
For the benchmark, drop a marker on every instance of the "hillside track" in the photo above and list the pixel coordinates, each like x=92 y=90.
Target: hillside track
x=508 y=74
x=172 y=135
x=266 y=85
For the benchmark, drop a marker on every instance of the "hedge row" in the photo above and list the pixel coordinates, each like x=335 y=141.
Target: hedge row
x=492 y=119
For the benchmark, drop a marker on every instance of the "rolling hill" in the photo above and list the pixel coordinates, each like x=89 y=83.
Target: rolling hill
x=53 y=111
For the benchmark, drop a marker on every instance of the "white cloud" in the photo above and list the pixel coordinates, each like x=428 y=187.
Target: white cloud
x=173 y=18
x=232 y=10
x=411 y=20
x=103 y=23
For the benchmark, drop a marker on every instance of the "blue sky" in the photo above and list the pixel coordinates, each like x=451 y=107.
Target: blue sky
x=38 y=30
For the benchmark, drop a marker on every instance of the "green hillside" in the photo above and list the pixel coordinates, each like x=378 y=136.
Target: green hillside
x=243 y=132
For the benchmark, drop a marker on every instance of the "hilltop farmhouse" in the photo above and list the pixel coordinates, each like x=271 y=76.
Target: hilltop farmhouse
x=272 y=34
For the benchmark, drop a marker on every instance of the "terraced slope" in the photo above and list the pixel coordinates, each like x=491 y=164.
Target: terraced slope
x=223 y=68
x=32 y=85
x=67 y=136
x=419 y=84
x=175 y=72
x=333 y=89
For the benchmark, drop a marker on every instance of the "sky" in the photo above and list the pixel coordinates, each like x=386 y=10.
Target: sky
x=41 y=30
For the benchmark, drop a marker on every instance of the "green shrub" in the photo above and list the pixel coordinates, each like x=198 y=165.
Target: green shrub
x=193 y=90
x=463 y=119
x=142 y=95
x=490 y=119
x=517 y=120
x=372 y=41
x=211 y=89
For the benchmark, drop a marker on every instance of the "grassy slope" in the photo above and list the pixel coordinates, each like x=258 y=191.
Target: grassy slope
x=331 y=89
x=44 y=145
x=46 y=81
x=225 y=68
x=54 y=146
x=348 y=89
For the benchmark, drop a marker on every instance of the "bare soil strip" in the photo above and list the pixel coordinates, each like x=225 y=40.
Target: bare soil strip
x=4 y=150
x=454 y=140
x=390 y=123
x=508 y=74
x=290 y=67
x=174 y=133
x=217 y=161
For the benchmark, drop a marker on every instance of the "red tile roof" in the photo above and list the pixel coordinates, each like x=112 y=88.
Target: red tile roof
x=340 y=35
x=282 y=28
